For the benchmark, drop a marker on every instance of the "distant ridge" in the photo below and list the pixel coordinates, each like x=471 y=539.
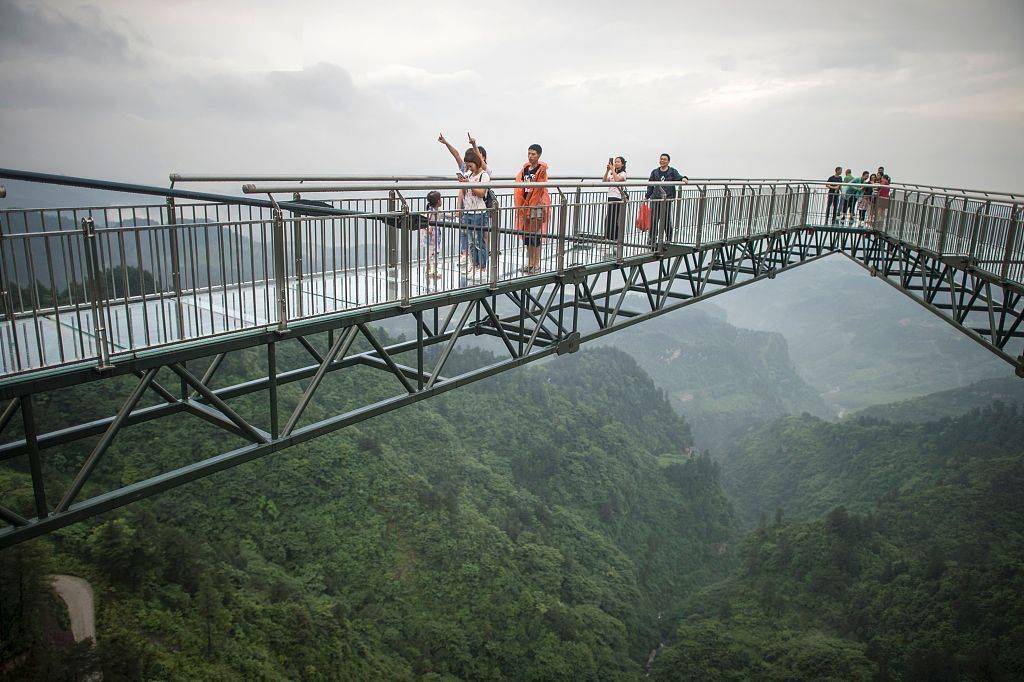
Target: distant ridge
x=949 y=403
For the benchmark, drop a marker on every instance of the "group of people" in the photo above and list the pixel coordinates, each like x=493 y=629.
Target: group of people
x=532 y=206
x=532 y=209
x=857 y=201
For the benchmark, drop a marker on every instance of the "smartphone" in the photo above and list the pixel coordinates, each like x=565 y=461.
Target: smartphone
x=460 y=175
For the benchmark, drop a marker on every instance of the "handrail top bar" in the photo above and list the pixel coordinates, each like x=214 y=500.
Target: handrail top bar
x=250 y=188
x=129 y=188
x=265 y=177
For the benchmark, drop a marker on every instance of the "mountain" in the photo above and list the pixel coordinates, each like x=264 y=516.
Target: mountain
x=857 y=340
x=806 y=466
x=950 y=403
x=538 y=521
x=925 y=585
x=723 y=379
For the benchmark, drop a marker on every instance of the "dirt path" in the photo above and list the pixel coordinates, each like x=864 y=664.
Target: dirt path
x=77 y=594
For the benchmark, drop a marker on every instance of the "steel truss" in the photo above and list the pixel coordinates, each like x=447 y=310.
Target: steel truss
x=533 y=318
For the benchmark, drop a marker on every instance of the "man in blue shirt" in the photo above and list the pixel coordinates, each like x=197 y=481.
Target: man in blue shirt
x=661 y=198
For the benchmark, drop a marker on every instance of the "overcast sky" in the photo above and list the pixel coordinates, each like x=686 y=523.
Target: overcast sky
x=133 y=89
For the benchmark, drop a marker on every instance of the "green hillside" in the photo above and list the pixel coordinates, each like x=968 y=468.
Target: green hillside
x=807 y=466
x=927 y=585
x=537 y=523
x=951 y=403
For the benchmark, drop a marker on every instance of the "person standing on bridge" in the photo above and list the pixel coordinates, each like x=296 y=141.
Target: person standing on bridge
x=482 y=153
x=882 y=202
x=533 y=207
x=473 y=209
x=834 y=196
x=661 y=198
x=614 y=172
x=849 y=197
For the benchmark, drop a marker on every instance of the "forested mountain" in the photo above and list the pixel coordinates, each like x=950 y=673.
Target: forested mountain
x=926 y=585
x=856 y=339
x=723 y=379
x=951 y=403
x=536 y=523
x=807 y=466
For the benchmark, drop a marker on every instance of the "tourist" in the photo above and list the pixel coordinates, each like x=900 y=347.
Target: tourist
x=474 y=213
x=614 y=172
x=867 y=201
x=431 y=235
x=834 y=196
x=482 y=153
x=882 y=202
x=849 y=197
x=858 y=198
x=533 y=207
x=661 y=197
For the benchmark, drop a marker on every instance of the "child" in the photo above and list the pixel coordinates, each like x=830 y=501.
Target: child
x=431 y=235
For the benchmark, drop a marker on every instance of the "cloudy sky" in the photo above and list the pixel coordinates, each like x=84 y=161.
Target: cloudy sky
x=134 y=89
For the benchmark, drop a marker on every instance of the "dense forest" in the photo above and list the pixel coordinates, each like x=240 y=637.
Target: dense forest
x=925 y=584
x=554 y=522
x=508 y=526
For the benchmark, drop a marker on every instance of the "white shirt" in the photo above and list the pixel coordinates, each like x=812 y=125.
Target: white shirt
x=471 y=202
x=613 y=192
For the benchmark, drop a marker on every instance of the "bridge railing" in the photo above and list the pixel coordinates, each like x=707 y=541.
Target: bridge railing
x=91 y=284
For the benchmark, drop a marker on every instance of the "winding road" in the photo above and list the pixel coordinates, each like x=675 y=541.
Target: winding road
x=77 y=594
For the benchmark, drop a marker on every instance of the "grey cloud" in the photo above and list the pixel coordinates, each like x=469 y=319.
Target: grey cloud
x=28 y=30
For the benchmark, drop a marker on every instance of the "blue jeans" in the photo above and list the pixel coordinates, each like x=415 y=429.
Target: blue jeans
x=477 y=232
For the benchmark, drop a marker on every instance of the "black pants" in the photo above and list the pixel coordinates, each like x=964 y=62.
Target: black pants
x=661 y=219
x=832 y=206
x=612 y=218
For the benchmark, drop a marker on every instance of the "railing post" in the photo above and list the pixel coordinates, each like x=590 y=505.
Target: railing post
x=560 y=246
x=750 y=213
x=577 y=217
x=297 y=258
x=172 y=239
x=943 y=226
x=96 y=290
x=494 y=264
x=771 y=210
x=701 y=209
x=391 y=248
x=806 y=205
x=280 y=276
x=406 y=258
x=971 y=250
x=1011 y=236
x=5 y=291
x=905 y=206
x=725 y=213
x=620 y=235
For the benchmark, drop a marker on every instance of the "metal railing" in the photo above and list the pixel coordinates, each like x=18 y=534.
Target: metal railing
x=93 y=284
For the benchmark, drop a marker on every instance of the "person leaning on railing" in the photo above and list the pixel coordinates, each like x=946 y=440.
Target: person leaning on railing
x=615 y=171
x=473 y=209
x=533 y=207
x=661 y=197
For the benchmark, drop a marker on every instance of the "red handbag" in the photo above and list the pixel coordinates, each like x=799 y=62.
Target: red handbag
x=643 y=218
